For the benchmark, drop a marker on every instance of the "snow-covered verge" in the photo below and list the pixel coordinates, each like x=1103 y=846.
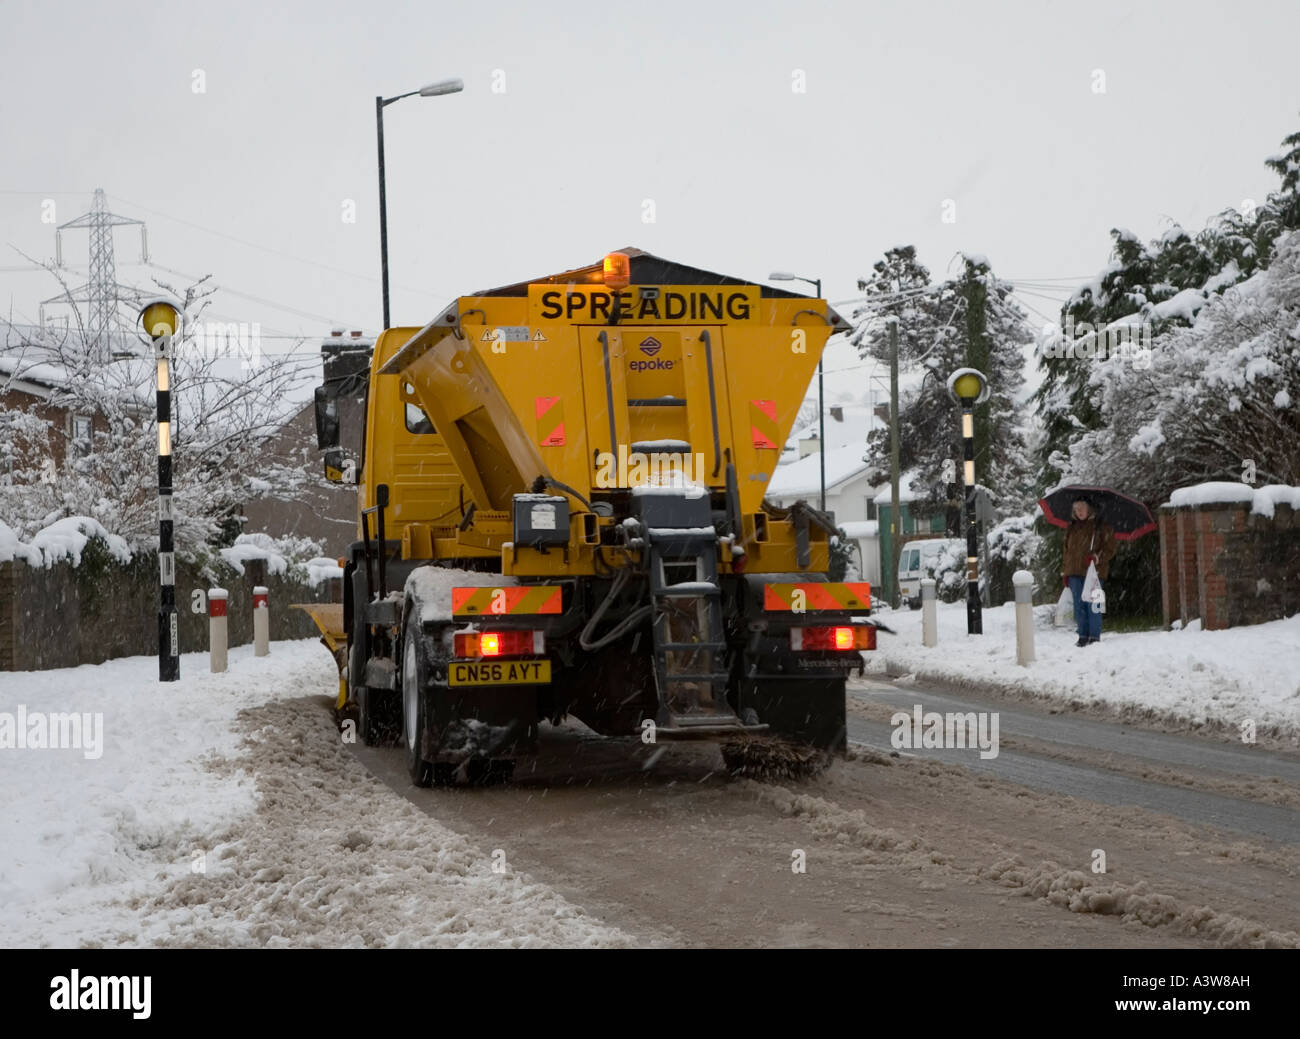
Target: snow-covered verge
x=1215 y=680
x=225 y=810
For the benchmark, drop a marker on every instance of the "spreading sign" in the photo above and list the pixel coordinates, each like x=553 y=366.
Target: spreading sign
x=662 y=304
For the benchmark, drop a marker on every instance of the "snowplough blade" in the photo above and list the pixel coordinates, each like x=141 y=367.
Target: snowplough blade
x=328 y=617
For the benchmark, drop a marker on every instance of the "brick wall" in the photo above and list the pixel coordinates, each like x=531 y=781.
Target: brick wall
x=1229 y=566
x=65 y=616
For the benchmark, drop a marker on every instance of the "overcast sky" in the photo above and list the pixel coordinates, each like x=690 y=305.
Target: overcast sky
x=574 y=116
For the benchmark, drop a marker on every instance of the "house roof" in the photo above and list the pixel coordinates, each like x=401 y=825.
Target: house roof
x=804 y=476
x=906 y=492
x=845 y=424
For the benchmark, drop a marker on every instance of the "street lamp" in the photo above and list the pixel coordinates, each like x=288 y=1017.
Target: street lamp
x=968 y=387
x=444 y=86
x=821 y=413
x=162 y=321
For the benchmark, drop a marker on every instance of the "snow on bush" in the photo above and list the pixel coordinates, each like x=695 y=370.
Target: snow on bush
x=299 y=559
x=1014 y=542
x=62 y=540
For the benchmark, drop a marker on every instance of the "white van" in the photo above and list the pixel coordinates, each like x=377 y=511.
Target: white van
x=920 y=559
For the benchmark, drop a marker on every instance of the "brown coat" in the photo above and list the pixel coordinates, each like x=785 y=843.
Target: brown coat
x=1084 y=538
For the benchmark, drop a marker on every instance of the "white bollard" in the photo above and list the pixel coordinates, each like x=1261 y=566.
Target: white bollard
x=261 y=621
x=218 y=629
x=1024 y=584
x=929 y=613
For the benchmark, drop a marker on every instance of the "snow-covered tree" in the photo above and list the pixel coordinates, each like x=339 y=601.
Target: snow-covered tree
x=1220 y=400
x=898 y=288
x=223 y=409
x=1146 y=290
x=967 y=321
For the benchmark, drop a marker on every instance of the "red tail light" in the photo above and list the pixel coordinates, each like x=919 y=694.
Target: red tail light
x=473 y=644
x=837 y=638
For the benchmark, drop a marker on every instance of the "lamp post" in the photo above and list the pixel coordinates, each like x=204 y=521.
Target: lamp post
x=162 y=320
x=445 y=86
x=968 y=387
x=821 y=411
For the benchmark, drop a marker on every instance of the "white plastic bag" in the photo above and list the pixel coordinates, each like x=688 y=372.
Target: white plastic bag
x=1093 y=597
x=1064 y=607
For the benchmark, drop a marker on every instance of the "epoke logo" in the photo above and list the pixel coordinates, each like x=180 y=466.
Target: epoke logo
x=651 y=346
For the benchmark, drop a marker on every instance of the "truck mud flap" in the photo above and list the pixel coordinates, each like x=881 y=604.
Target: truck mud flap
x=808 y=710
x=484 y=723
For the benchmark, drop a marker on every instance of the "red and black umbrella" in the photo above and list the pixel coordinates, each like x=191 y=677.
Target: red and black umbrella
x=1126 y=516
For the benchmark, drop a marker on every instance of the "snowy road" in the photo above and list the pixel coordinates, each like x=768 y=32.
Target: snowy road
x=902 y=851
x=225 y=810
x=1201 y=780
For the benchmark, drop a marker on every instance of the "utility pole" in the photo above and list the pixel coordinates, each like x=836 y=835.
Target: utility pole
x=895 y=520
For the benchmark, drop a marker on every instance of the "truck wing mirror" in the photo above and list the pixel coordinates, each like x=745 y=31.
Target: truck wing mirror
x=327 y=419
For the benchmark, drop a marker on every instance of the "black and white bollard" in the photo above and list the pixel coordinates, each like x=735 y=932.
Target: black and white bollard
x=218 y=628
x=1023 y=581
x=261 y=621
x=929 y=613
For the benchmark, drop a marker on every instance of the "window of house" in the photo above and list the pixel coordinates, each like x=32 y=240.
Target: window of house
x=871 y=508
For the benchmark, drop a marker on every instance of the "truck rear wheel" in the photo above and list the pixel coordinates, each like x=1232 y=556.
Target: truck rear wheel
x=415 y=703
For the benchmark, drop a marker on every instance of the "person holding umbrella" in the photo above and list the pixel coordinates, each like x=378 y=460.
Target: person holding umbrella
x=1098 y=517
x=1088 y=542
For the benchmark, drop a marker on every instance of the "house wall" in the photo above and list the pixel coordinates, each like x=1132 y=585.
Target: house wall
x=847 y=500
x=322 y=511
x=13 y=399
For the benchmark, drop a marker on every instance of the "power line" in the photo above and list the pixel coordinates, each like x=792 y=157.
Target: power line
x=272 y=251
x=258 y=299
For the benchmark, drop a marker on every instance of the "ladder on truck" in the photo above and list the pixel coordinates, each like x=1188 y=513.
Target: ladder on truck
x=689 y=645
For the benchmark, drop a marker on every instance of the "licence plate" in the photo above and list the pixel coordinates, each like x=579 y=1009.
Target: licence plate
x=499 y=672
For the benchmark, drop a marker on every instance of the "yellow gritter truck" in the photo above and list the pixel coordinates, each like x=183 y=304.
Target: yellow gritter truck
x=561 y=512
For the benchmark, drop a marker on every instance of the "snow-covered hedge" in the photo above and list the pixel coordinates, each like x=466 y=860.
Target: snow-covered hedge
x=299 y=559
x=64 y=540
x=61 y=540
